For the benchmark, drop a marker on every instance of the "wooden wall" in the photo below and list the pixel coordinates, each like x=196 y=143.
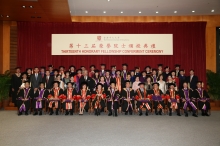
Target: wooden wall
x=213 y=21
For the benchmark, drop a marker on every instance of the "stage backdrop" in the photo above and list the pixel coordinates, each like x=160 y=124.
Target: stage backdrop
x=34 y=45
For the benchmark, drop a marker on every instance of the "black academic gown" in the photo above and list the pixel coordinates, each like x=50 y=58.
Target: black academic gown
x=199 y=97
x=156 y=103
x=113 y=99
x=59 y=93
x=125 y=105
x=86 y=107
x=15 y=84
x=169 y=103
x=142 y=95
x=190 y=96
x=37 y=94
x=73 y=103
x=21 y=94
x=101 y=102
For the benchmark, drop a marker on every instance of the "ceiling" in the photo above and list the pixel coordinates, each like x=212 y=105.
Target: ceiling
x=42 y=10
x=146 y=7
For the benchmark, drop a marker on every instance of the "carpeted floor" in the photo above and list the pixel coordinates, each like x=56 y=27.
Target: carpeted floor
x=90 y=130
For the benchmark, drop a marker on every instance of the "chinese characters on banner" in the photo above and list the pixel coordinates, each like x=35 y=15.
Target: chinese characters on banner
x=112 y=44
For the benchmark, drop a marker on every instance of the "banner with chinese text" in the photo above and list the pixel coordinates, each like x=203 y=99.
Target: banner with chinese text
x=112 y=44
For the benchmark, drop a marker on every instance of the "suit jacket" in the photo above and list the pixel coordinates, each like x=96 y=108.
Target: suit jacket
x=35 y=82
x=182 y=79
x=49 y=83
x=90 y=82
x=193 y=82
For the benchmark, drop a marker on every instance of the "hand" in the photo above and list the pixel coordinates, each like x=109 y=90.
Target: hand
x=35 y=89
x=183 y=100
x=128 y=100
x=13 y=89
x=169 y=100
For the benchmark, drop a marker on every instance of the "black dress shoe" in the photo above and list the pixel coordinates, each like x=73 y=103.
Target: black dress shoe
x=26 y=113
x=130 y=113
x=160 y=113
x=170 y=114
x=146 y=114
x=140 y=114
x=40 y=114
x=156 y=113
x=110 y=114
x=35 y=114
x=178 y=114
x=194 y=115
x=126 y=113
x=207 y=114
x=186 y=114
x=51 y=113
x=20 y=113
x=67 y=113
x=203 y=114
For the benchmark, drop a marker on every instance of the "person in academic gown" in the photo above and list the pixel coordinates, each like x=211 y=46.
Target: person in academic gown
x=50 y=68
x=127 y=94
x=143 y=100
x=92 y=71
x=15 y=84
x=85 y=95
x=72 y=70
x=173 y=100
x=182 y=78
x=166 y=73
x=77 y=79
x=113 y=98
x=113 y=71
x=188 y=99
x=29 y=73
x=108 y=79
x=99 y=96
x=148 y=71
x=23 y=100
x=39 y=99
x=157 y=97
x=119 y=81
x=148 y=83
x=143 y=76
x=203 y=99
x=54 y=100
x=154 y=76
x=102 y=70
x=177 y=70
x=137 y=71
x=69 y=103
x=160 y=69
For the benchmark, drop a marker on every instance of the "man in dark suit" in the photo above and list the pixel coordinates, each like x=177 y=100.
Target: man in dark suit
x=35 y=79
x=85 y=78
x=192 y=80
x=48 y=80
x=182 y=79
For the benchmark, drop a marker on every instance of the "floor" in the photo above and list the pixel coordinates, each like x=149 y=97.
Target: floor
x=108 y=131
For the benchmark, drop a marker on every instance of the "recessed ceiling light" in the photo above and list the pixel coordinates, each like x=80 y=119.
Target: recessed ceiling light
x=175 y=11
x=104 y=11
x=31 y=6
x=7 y=16
x=23 y=6
x=193 y=11
x=213 y=11
x=157 y=12
x=139 y=11
x=108 y=0
x=121 y=11
x=86 y=11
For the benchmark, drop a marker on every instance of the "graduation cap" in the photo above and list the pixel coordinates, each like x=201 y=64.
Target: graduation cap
x=72 y=66
x=171 y=84
x=141 y=84
x=112 y=82
x=69 y=83
x=127 y=81
x=26 y=82
x=155 y=84
x=50 y=66
x=160 y=65
x=124 y=64
x=137 y=68
x=148 y=67
x=55 y=70
x=56 y=82
x=102 y=64
x=182 y=70
x=61 y=67
x=66 y=72
x=143 y=72
x=96 y=71
x=113 y=66
x=131 y=70
x=42 y=83
x=154 y=69
x=166 y=67
x=99 y=84
x=177 y=65
x=107 y=71
x=84 y=83
x=92 y=66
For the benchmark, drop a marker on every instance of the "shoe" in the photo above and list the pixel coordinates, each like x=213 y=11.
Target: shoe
x=130 y=113
x=51 y=113
x=203 y=114
x=186 y=114
x=126 y=113
x=160 y=113
x=110 y=114
x=40 y=114
x=146 y=114
x=20 y=113
x=67 y=113
x=140 y=114
x=194 y=115
x=170 y=114
x=35 y=114
x=178 y=114
x=206 y=114
x=26 y=113
x=156 y=113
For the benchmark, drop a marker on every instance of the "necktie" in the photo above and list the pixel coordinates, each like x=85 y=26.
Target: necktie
x=47 y=79
x=36 y=76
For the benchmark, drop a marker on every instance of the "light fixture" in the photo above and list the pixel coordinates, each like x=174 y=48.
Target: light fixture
x=108 y=0
x=175 y=11
x=104 y=11
x=121 y=11
x=193 y=11
x=139 y=12
x=7 y=16
x=213 y=11
x=86 y=11
x=23 y=6
x=31 y=6
x=157 y=12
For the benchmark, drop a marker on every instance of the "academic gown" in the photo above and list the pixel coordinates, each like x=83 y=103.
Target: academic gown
x=29 y=93
x=200 y=95
x=42 y=94
x=127 y=94
x=113 y=99
x=65 y=104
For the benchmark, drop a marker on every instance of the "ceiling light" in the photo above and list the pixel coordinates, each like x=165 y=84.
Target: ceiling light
x=7 y=16
x=175 y=11
x=193 y=11
x=121 y=11
x=23 y=6
x=213 y=11
x=139 y=11
x=31 y=6
x=86 y=11
x=104 y=11
x=108 y=0
x=157 y=12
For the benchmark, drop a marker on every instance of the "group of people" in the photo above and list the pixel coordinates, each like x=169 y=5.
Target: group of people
x=129 y=91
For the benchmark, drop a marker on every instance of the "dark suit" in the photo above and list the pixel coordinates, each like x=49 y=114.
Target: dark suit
x=193 y=82
x=48 y=82
x=35 y=82
x=90 y=82
x=182 y=79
